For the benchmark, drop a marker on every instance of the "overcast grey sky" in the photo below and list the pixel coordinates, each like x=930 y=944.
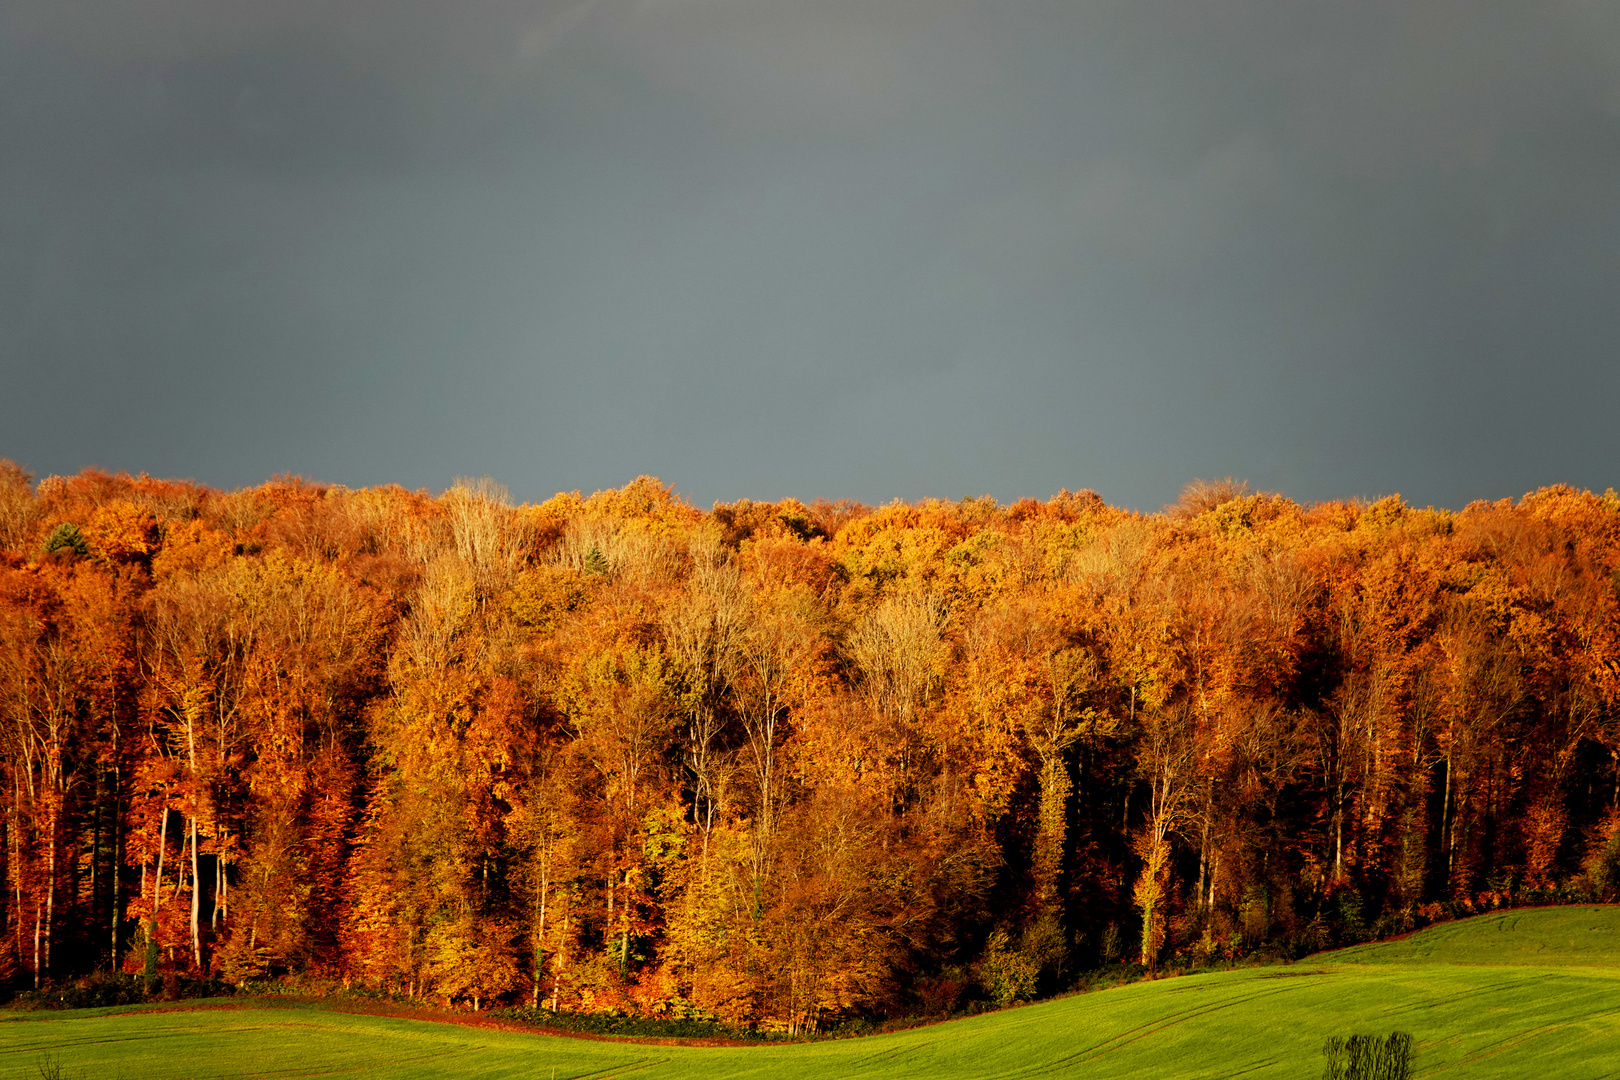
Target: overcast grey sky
x=847 y=248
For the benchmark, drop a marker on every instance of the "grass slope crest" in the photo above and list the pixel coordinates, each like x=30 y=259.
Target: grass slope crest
x=1515 y=994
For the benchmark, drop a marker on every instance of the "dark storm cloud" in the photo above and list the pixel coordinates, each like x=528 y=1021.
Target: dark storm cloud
x=816 y=247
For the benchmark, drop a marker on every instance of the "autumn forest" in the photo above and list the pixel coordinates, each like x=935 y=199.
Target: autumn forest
x=781 y=764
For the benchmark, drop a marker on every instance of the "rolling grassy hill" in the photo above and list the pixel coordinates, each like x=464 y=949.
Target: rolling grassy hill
x=1517 y=994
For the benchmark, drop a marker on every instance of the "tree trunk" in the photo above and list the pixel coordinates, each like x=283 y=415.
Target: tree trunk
x=163 y=847
x=540 y=933
x=95 y=849
x=624 y=932
x=1203 y=875
x=196 y=900
x=117 y=897
x=556 y=982
x=1447 y=825
x=50 y=888
x=1149 y=894
x=1052 y=829
x=16 y=864
x=113 y=840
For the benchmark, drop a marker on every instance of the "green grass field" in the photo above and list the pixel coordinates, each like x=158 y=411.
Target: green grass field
x=1522 y=994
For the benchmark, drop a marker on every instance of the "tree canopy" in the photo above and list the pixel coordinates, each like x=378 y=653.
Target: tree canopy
x=781 y=763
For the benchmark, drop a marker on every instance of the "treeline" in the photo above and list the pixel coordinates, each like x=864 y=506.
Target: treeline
x=778 y=763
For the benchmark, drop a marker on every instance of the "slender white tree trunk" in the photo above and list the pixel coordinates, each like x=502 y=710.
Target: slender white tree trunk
x=196 y=899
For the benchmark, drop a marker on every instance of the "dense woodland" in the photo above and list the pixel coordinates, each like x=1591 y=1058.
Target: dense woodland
x=782 y=764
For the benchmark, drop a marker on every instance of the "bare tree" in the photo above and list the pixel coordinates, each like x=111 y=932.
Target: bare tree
x=897 y=649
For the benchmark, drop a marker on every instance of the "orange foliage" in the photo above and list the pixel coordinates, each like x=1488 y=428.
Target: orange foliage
x=781 y=763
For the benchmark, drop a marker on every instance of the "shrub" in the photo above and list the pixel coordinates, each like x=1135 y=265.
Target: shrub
x=1112 y=947
x=1368 y=1057
x=93 y=992
x=1008 y=973
x=615 y=1024
x=99 y=991
x=66 y=535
